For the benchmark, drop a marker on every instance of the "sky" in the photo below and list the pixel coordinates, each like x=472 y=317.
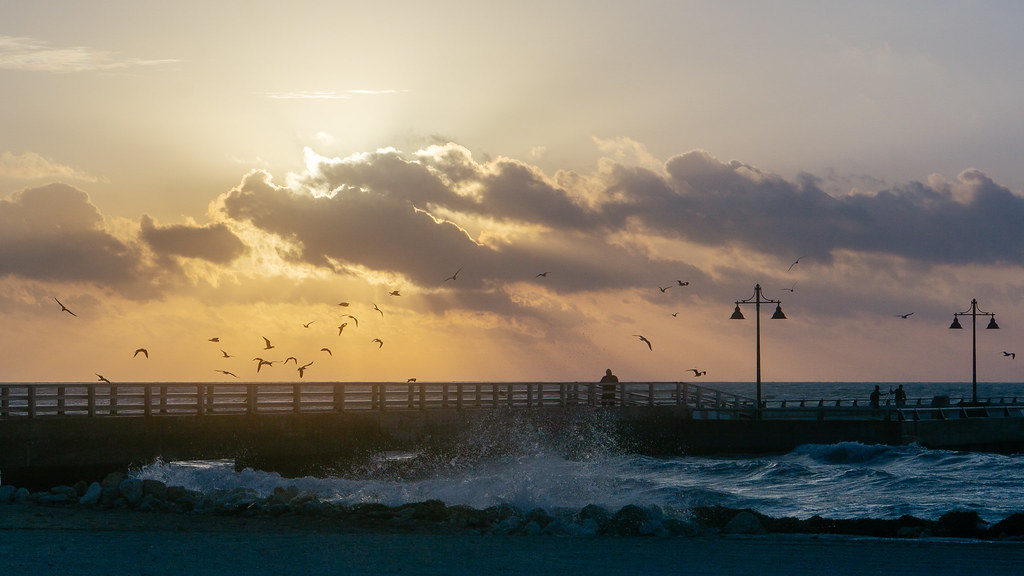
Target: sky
x=509 y=191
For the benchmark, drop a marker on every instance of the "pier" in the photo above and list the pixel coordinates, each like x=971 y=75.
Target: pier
x=60 y=433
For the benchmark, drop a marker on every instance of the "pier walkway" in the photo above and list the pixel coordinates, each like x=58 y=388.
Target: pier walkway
x=50 y=431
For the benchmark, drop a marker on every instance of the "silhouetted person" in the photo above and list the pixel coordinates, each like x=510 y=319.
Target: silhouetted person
x=609 y=382
x=875 y=398
x=900 y=396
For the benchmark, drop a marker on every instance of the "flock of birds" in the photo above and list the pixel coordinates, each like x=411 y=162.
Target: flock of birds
x=301 y=368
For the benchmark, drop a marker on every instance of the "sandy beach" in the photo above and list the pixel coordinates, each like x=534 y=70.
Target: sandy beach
x=42 y=540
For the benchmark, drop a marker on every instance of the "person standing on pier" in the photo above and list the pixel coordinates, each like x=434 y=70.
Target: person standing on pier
x=900 y=396
x=875 y=398
x=609 y=382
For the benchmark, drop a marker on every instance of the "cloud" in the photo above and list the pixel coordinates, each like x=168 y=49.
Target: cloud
x=29 y=55
x=54 y=233
x=214 y=243
x=32 y=166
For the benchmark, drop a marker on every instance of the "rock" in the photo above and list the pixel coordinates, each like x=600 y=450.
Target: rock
x=131 y=490
x=7 y=493
x=744 y=523
x=21 y=495
x=1011 y=526
x=154 y=488
x=961 y=524
x=92 y=495
x=628 y=521
x=110 y=488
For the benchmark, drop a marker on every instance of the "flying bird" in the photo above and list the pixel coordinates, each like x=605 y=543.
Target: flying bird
x=394 y=293
x=645 y=340
x=378 y=310
x=791 y=288
x=698 y=373
x=664 y=289
x=1012 y=355
x=64 y=308
x=143 y=351
x=795 y=262
x=268 y=345
x=328 y=350
x=380 y=343
x=345 y=304
x=675 y=314
x=411 y=380
x=214 y=339
x=542 y=275
x=302 y=369
x=681 y=283
x=225 y=354
x=454 y=276
x=102 y=379
x=306 y=325
x=263 y=363
x=342 y=327
x=227 y=373
x=293 y=359
x=354 y=319
x=904 y=316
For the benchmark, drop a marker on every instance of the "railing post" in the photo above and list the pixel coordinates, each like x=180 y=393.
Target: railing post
x=92 y=399
x=561 y=394
x=60 y=400
x=163 y=400
x=423 y=396
x=5 y=401
x=529 y=395
x=494 y=395
x=458 y=392
x=147 y=400
x=296 y=397
x=412 y=396
x=476 y=390
x=113 y=400
x=252 y=400
x=31 y=401
x=444 y=395
x=650 y=393
x=339 y=397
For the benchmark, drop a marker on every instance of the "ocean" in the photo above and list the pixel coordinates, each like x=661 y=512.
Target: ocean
x=843 y=481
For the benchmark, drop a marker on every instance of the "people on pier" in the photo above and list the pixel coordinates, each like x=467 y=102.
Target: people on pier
x=609 y=382
x=900 y=396
x=876 y=397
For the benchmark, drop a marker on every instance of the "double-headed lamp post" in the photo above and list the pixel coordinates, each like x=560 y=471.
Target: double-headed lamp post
x=757 y=299
x=974 y=312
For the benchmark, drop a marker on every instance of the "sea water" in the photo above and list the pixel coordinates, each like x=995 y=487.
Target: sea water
x=846 y=480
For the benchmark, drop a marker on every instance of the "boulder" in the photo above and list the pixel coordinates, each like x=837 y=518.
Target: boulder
x=92 y=494
x=744 y=523
x=131 y=490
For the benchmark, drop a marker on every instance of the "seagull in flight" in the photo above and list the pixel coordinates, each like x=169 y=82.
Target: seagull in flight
x=795 y=262
x=342 y=327
x=64 y=308
x=541 y=275
x=293 y=359
x=345 y=304
x=214 y=339
x=675 y=314
x=262 y=363
x=1012 y=355
x=143 y=351
x=354 y=319
x=225 y=354
x=302 y=369
x=268 y=345
x=102 y=379
x=328 y=350
x=791 y=288
x=681 y=283
x=306 y=325
x=456 y=275
x=380 y=343
x=904 y=316
x=394 y=293
x=411 y=380
x=378 y=310
x=698 y=373
x=227 y=373
x=664 y=289
x=645 y=340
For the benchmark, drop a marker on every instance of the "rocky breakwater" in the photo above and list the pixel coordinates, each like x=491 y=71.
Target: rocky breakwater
x=118 y=491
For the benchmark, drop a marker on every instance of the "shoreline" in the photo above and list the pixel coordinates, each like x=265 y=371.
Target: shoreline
x=93 y=541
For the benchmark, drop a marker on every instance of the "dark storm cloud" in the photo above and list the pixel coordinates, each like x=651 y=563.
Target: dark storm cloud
x=214 y=243
x=54 y=233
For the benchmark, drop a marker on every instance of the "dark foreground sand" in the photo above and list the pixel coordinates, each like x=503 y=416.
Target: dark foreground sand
x=40 y=540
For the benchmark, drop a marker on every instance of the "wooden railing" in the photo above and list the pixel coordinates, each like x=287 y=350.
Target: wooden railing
x=25 y=400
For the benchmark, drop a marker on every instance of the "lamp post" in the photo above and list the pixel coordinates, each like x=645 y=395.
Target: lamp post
x=757 y=299
x=974 y=312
